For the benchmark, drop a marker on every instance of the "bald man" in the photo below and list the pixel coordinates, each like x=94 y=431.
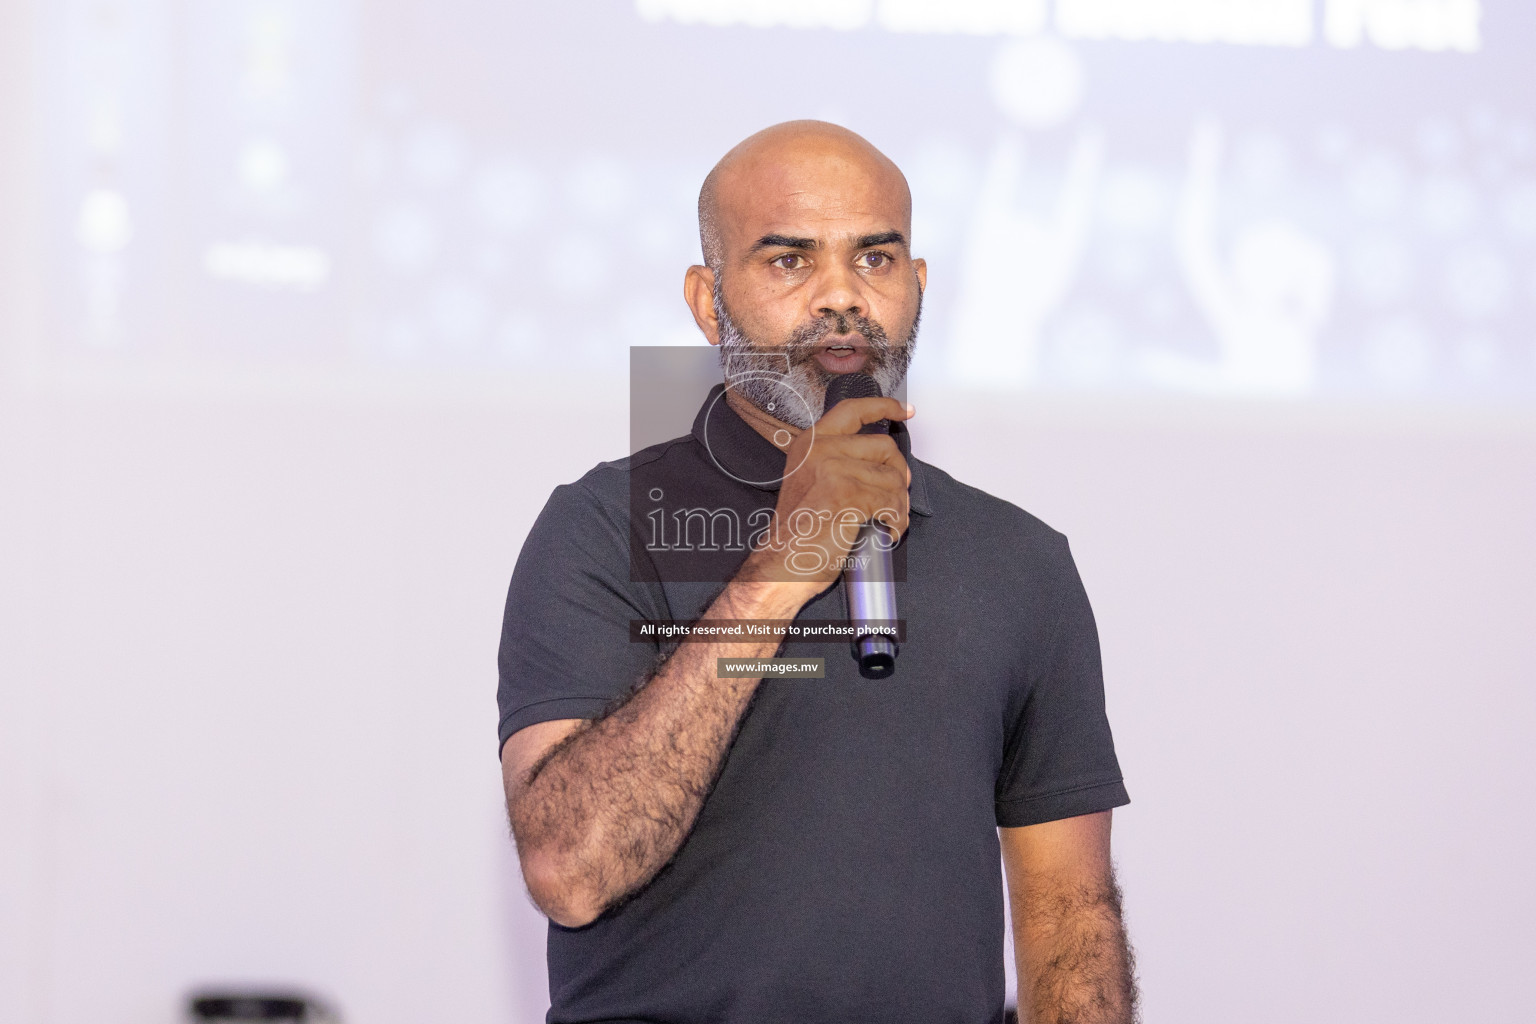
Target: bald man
x=721 y=849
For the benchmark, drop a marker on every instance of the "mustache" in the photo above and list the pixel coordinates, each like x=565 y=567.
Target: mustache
x=807 y=338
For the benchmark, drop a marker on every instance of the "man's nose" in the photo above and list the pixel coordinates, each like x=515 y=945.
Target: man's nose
x=837 y=293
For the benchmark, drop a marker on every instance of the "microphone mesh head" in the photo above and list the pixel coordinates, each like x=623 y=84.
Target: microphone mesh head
x=851 y=385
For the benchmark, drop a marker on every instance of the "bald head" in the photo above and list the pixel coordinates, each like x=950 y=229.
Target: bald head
x=790 y=159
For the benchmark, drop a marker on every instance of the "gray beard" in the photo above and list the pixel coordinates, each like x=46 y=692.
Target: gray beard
x=786 y=381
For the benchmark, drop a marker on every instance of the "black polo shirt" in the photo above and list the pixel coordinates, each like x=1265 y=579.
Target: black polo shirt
x=846 y=865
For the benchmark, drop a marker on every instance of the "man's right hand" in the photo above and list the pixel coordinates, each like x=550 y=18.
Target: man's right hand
x=837 y=480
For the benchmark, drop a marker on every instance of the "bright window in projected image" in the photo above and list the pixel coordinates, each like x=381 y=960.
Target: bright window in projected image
x=1238 y=198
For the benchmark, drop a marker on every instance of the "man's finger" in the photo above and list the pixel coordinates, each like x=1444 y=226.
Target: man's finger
x=868 y=447
x=847 y=416
x=876 y=474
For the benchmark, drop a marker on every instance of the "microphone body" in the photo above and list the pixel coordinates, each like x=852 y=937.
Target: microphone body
x=872 y=601
x=868 y=576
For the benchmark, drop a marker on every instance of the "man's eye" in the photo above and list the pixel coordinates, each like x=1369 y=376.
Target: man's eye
x=789 y=261
x=875 y=260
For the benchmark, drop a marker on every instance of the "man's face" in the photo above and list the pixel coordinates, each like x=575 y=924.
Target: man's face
x=816 y=278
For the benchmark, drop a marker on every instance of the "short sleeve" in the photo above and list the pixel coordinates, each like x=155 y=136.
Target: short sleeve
x=1059 y=759
x=565 y=639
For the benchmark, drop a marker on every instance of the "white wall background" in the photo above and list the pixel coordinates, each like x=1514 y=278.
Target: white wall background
x=250 y=596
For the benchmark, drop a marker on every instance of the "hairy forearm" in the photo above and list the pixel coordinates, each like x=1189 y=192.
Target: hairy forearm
x=605 y=809
x=1075 y=964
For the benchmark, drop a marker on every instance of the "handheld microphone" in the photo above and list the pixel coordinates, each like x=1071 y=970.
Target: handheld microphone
x=868 y=577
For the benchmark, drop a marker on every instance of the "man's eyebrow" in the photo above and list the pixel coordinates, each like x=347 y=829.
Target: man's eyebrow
x=810 y=244
x=782 y=242
x=886 y=238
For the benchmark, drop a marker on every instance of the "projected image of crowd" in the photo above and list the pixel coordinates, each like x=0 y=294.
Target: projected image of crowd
x=1250 y=258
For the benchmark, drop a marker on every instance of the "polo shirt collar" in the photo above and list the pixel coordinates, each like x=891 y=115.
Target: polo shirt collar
x=748 y=456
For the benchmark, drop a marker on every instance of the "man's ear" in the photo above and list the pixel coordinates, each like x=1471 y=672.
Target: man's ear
x=699 y=293
x=921 y=266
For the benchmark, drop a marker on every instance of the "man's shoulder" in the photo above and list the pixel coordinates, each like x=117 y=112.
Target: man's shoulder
x=987 y=526
x=606 y=485
x=975 y=507
x=989 y=545
x=587 y=522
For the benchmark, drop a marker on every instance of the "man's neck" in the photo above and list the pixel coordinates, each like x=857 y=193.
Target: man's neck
x=776 y=431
